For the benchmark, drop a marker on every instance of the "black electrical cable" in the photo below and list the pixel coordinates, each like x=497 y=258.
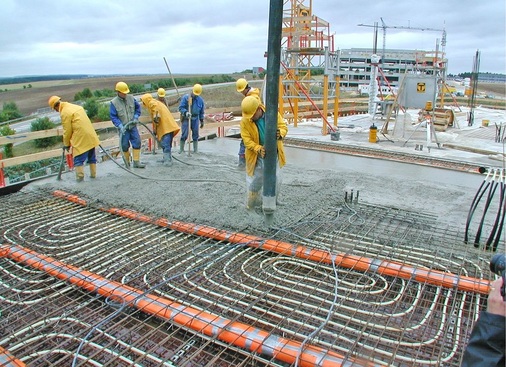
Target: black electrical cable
x=474 y=205
x=497 y=218
x=500 y=232
x=491 y=192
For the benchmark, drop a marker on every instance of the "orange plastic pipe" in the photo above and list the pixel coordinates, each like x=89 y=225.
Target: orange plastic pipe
x=239 y=334
x=355 y=262
x=8 y=360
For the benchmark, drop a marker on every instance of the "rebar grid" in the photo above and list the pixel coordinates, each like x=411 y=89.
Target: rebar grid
x=387 y=320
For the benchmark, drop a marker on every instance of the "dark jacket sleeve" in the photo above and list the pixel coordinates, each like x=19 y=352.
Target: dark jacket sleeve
x=486 y=343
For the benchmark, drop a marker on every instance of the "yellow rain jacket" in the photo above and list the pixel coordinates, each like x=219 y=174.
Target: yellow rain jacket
x=78 y=130
x=166 y=123
x=251 y=138
x=255 y=92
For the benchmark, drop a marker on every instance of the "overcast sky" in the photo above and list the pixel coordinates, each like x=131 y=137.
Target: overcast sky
x=44 y=37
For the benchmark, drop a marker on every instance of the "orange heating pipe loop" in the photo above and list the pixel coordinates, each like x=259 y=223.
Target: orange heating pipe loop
x=355 y=262
x=239 y=334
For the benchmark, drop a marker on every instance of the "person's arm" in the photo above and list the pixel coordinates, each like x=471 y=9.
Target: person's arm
x=202 y=110
x=282 y=128
x=183 y=106
x=114 y=116
x=137 y=111
x=66 y=123
x=487 y=341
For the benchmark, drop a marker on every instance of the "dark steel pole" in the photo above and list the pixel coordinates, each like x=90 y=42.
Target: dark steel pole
x=271 y=114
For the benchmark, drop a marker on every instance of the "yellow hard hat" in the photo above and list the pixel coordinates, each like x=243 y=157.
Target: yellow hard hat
x=53 y=100
x=122 y=87
x=146 y=98
x=161 y=92
x=249 y=106
x=241 y=84
x=197 y=89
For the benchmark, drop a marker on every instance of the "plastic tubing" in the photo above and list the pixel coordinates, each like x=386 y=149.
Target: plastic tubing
x=355 y=262
x=236 y=333
x=474 y=204
x=8 y=360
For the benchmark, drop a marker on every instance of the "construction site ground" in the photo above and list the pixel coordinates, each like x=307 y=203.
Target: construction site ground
x=366 y=262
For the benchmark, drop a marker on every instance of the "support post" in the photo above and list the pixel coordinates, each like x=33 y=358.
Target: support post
x=271 y=103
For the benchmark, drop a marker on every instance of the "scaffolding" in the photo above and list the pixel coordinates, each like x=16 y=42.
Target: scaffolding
x=309 y=76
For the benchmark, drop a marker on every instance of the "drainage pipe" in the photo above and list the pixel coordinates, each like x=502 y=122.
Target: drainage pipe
x=355 y=262
x=236 y=333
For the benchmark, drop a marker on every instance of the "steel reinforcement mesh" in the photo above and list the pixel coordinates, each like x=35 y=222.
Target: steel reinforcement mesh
x=75 y=281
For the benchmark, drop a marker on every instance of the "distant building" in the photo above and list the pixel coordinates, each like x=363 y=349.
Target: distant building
x=354 y=66
x=258 y=70
x=491 y=78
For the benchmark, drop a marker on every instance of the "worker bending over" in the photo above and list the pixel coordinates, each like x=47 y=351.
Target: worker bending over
x=253 y=127
x=78 y=133
x=164 y=125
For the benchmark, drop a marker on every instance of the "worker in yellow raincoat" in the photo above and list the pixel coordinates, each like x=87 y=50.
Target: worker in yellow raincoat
x=253 y=126
x=244 y=88
x=164 y=125
x=78 y=133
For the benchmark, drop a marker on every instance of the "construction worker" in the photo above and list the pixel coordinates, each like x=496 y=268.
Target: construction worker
x=165 y=127
x=161 y=96
x=253 y=126
x=486 y=343
x=125 y=111
x=78 y=133
x=243 y=87
x=192 y=109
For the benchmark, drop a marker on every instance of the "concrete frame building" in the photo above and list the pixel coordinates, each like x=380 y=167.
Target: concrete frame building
x=354 y=65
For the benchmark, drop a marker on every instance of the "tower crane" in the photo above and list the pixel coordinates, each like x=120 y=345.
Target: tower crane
x=384 y=26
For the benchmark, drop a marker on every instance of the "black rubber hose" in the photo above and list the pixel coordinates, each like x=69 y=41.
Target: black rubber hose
x=500 y=232
x=474 y=205
x=497 y=219
x=121 y=137
x=490 y=195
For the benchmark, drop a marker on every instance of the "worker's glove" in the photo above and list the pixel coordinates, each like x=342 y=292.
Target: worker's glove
x=66 y=148
x=121 y=129
x=261 y=152
x=156 y=119
x=201 y=124
x=188 y=115
x=278 y=135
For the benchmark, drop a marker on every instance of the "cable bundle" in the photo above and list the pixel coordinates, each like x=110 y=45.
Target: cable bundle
x=487 y=191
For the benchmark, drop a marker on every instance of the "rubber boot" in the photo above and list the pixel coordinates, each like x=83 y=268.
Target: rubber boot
x=93 y=170
x=167 y=159
x=137 y=157
x=195 y=147
x=181 y=146
x=252 y=200
x=126 y=155
x=79 y=173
